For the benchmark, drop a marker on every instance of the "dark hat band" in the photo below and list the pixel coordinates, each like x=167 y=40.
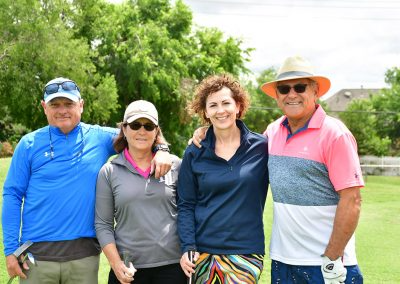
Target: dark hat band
x=293 y=74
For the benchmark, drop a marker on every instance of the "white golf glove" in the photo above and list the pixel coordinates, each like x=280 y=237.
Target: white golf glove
x=333 y=271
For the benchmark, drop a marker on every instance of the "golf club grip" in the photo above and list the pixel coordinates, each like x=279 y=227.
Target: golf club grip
x=191 y=258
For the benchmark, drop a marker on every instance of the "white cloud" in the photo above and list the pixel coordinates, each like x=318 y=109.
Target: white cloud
x=351 y=42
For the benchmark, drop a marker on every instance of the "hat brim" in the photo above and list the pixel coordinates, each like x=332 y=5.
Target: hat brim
x=71 y=96
x=141 y=115
x=324 y=85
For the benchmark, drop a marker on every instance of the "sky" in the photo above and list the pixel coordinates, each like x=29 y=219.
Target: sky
x=352 y=42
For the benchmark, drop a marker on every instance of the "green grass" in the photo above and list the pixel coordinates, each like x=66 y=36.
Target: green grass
x=376 y=239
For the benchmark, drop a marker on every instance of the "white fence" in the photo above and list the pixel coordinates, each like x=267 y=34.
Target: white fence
x=380 y=166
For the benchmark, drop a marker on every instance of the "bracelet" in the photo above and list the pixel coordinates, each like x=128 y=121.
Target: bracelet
x=162 y=147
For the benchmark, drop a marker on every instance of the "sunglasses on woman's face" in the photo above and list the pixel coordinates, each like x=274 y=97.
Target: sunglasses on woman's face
x=137 y=125
x=285 y=89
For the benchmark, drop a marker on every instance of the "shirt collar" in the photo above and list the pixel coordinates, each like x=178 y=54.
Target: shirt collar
x=209 y=141
x=314 y=122
x=57 y=130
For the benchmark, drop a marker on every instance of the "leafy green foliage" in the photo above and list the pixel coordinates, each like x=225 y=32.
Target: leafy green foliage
x=150 y=48
x=359 y=118
x=388 y=102
x=375 y=122
x=10 y=131
x=38 y=45
x=263 y=108
x=144 y=49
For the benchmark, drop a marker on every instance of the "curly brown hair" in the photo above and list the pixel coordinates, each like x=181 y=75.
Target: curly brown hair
x=212 y=84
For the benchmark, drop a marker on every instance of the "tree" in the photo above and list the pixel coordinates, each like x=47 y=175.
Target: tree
x=37 y=45
x=263 y=109
x=375 y=122
x=117 y=53
x=155 y=54
x=388 y=103
x=362 y=121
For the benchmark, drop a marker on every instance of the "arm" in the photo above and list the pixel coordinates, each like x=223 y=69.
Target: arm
x=14 y=190
x=123 y=273
x=162 y=161
x=345 y=174
x=186 y=199
x=345 y=223
x=104 y=212
x=104 y=224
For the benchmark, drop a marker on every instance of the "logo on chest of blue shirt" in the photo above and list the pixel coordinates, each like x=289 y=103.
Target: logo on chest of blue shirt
x=47 y=154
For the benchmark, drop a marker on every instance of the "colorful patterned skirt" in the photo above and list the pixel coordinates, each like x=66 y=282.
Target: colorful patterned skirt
x=228 y=269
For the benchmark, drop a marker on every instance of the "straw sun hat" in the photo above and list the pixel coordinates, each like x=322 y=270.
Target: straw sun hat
x=296 y=67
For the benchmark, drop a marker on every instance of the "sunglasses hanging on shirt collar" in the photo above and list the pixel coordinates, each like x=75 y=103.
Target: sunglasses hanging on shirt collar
x=52 y=147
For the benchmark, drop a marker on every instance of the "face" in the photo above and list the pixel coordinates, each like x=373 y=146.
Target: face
x=222 y=109
x=298 y=107
x=63 y=113
x=141 y=139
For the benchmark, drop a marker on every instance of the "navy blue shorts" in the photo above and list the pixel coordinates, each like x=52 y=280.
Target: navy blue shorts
x=284 y=273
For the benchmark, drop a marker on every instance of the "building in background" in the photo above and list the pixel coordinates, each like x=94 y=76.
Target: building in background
x=338 y=102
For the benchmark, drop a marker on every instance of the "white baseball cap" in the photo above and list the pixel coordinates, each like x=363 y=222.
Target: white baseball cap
x=141 y=109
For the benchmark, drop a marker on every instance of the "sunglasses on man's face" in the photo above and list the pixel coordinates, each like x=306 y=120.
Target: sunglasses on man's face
x=137 y=125
x=285 y=89
x=67 y=86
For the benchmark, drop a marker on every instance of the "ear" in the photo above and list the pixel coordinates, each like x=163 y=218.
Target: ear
x=44 y=106
x=316 y=96
x=316 y=90
x=81 y=105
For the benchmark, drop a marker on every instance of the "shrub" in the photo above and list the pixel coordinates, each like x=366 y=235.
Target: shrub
x=6 y=150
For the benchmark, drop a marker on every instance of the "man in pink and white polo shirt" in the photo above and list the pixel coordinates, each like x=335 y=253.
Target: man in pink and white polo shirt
x=315 y=177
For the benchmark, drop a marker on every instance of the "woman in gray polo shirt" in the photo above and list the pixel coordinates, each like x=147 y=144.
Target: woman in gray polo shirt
x=136 y=213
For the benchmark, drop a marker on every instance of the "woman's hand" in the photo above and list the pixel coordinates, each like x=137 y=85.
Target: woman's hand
x=187 y=266
x=161 y=163
x=123 y=273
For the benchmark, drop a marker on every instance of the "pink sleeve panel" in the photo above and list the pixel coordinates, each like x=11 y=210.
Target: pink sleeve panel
x=343 y=163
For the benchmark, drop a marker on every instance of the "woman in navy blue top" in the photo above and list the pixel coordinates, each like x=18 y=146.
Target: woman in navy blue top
x=222 y=188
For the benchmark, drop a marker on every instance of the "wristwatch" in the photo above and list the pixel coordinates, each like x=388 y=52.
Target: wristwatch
x=162 y=147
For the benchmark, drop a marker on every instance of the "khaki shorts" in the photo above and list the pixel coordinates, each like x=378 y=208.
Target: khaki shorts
x=82 y=271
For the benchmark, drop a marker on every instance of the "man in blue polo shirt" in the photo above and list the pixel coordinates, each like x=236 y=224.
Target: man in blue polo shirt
x=52 y=180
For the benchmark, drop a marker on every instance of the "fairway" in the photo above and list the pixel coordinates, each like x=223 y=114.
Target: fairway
x=376 y=239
